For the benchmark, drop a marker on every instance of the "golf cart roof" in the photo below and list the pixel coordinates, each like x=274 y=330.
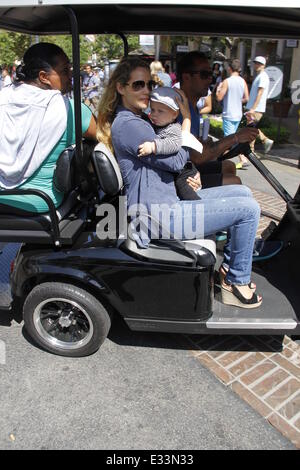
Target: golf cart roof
x=269 y=19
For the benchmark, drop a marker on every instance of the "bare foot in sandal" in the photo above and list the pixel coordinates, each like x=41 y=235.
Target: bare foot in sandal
x=239 y=296
x=223 y=271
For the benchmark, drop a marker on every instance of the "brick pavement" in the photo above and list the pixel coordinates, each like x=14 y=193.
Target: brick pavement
x=263 y=370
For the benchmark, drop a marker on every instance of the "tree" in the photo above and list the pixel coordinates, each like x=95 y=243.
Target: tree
x=13 y=46
x=65 y=42
x=110 y=46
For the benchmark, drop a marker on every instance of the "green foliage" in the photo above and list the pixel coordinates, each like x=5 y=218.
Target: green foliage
x=65 y=42
x=216 y=128
x=271 y=133
x=12 y=46
x=110 y=46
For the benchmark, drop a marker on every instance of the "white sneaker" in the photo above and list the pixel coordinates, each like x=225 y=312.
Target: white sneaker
x=268 y=144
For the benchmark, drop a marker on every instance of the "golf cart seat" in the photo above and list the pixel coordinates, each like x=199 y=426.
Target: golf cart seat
x=57 y=226
x=201 y=251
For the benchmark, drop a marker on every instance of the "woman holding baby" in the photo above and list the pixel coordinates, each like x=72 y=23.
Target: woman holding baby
x=149 y=179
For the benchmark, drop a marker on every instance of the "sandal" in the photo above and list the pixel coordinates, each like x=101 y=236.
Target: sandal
x=232 y=296
x=222 y=273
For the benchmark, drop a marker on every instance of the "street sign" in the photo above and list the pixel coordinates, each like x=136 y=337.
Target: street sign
x=146 y=40
x=182 y=48
x=275 y=74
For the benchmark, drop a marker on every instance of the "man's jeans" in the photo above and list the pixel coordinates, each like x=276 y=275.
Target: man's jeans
x=230 y=208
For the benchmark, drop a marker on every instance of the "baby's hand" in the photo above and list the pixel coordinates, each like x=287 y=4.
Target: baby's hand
x=195 y=181
x=183 y=104
x=146 y=149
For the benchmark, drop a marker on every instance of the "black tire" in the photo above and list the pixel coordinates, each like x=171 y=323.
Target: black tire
x=65 y=320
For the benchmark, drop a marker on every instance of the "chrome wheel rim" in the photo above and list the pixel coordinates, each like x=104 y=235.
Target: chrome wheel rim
x=63 y=323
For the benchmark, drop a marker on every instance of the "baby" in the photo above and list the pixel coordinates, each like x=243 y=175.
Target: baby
x=171 y=136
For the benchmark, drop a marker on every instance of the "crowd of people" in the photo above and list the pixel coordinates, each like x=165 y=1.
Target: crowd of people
x=157 y=135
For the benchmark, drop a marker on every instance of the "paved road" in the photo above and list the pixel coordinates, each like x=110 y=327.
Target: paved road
x=140 y=391
x=287 y=175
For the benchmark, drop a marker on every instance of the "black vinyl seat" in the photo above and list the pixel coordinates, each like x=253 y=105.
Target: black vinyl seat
x=199 y=251
x=58 y=226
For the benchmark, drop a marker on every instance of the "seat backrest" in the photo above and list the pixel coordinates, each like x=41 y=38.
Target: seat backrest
x=107 y=170
x=65 y=172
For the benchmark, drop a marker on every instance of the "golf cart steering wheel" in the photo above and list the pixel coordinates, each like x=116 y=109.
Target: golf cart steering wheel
x=235 y=150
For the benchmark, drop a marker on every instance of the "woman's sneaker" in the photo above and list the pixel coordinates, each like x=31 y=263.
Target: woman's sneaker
x=268 y=144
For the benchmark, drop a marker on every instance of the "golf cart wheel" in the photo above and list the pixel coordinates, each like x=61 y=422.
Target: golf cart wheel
x=65 y=320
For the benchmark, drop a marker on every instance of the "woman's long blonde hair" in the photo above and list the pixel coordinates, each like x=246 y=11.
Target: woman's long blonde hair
x=111 y=98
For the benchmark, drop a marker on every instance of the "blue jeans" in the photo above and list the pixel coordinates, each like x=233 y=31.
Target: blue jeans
x=230 y=208
x=230 y=127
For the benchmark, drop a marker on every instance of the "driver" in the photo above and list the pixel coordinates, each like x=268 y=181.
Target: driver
x=37 y=124
x=195 y=76
x=149 y=181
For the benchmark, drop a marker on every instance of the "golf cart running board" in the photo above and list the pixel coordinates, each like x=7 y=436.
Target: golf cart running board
x=213 y=325
x=253 y=323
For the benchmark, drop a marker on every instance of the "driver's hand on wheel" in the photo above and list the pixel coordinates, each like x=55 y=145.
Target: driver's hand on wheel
x=247 y=134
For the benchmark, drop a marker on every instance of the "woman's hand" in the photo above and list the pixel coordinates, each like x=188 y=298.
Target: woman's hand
x=195 y=181
x=183 y=104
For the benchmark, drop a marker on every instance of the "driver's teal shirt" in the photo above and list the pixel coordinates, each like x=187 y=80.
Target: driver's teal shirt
x=43 y=177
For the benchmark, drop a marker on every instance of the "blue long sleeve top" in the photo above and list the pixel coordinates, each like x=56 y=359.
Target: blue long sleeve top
x=150 y=179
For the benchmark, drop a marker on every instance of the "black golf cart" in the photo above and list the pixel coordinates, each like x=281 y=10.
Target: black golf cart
x=68 y=281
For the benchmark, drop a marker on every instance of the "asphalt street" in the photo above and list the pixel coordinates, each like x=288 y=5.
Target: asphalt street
x=286 y=173
x=139 y=391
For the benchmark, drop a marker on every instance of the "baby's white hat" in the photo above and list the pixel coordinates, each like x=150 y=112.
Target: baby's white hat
x=167 y=96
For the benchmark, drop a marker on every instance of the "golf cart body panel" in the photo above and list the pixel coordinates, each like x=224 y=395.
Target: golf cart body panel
x=167 y=287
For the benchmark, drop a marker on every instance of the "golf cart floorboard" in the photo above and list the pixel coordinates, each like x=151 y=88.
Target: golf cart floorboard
x=278 y=314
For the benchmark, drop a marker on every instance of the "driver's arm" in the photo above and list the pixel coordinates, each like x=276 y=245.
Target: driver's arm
x=211 y=151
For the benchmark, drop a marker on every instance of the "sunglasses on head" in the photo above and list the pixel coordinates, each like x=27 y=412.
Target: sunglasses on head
x=204 y=74
x=140 y=85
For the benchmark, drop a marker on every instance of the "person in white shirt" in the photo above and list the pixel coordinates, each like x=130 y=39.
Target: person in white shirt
x=5 y=77
x=233 y=91
x=204 y=105
x=256 y=105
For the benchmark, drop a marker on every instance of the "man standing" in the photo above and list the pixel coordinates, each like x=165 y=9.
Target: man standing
x=234 y=92
x=195 y=76
x=258 y=99
x=91 y=88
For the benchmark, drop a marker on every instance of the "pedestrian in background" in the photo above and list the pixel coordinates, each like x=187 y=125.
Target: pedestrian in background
x=156 y=68
x=204 y=105
x=233 y=91
x=256 y=105
x=91 y=89
x=6 y=80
